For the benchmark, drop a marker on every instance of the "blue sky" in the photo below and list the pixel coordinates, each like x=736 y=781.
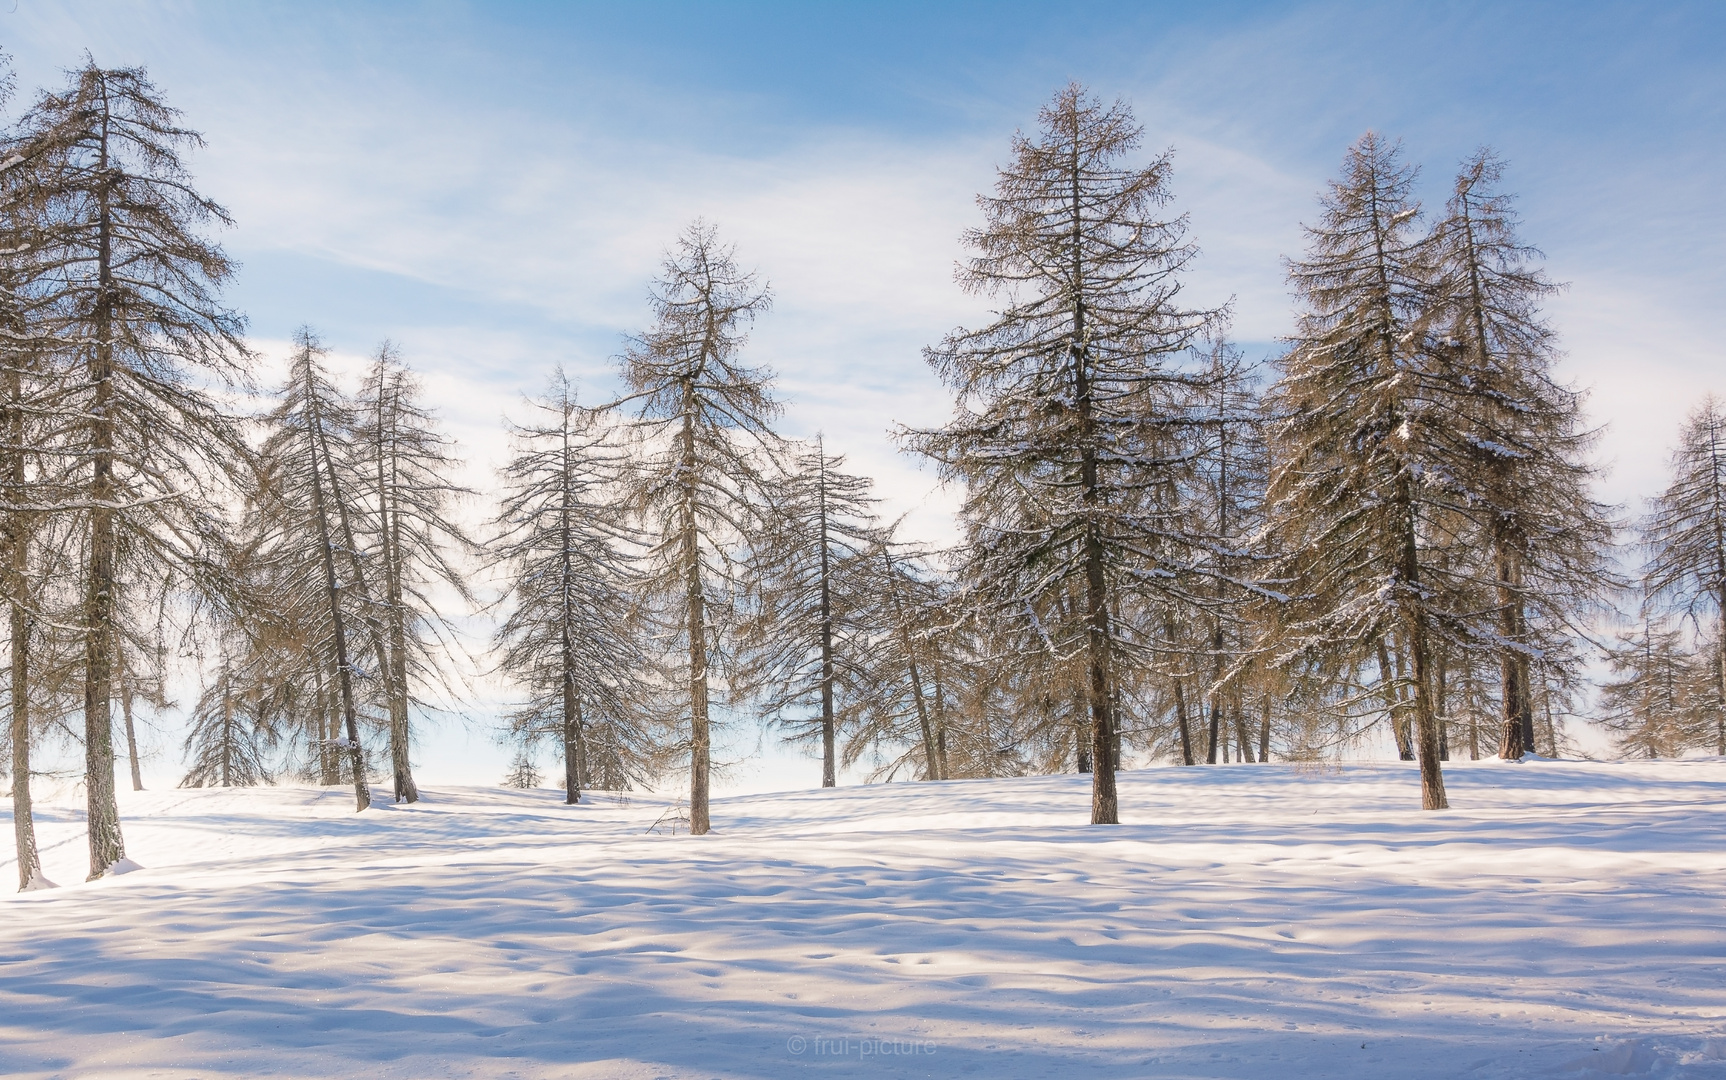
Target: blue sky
x=491 y=185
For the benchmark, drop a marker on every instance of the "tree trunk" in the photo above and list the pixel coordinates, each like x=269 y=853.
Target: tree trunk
x=406 y=790
x=1105 y=803
x=380 y=651
x=344 y=669
x=572 y=755
x=1243 y=740
x=395 y=696
x=393 y=668
x=700 y=736
x=1518 y=733
x=1393 y=703
x=228 y=740
x=329 y=763
x=126 y=696
x=1181 y=719
x=107 y=846
x=931 y=761
x=1720 y=634
x=1265 y=733
x=1551 y=728
x=131 y=736
x=1432 y=794
x=1212 y=731
x=23 y=823
x=1720 y=682
x=1441 y=699
x=829 y=764
x=16 y=532
x=940 y=716
x=1518 y=736
x=1081 y=736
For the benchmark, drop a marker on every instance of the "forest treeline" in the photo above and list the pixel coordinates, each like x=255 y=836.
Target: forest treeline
x=1165 y=550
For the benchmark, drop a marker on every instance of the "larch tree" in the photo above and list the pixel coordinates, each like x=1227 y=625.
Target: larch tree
x=231 y=734
x=708 y=451
x=1230 y=482
x=571 y=639
x=1068 y=403
x=1529 y=478
x=898 y=718
x=302 y=498
x=135 y=286
x=1351 y=492
x=412 y=529
x=814 y=587
x=1684 y=537
x=1646 y=703
x=32 y=384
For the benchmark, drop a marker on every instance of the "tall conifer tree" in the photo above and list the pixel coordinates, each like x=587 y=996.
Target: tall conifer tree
x=705 y=420
x=135 y=285
x=1070 y=402
x=1684 y=535
x=1355 y=442
x=1529 y=480
x=572 y=639
x=815 y=589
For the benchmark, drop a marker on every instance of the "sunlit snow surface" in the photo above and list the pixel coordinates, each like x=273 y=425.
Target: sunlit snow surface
x=1566 y=920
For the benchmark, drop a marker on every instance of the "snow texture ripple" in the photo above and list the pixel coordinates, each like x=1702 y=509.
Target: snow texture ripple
x=1566 y=921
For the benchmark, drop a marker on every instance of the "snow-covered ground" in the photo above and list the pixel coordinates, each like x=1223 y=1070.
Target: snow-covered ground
x=1566 y=920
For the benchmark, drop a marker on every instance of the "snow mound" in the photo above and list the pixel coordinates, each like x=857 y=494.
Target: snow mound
x=123 y=866
x=1633 y=1057
x=37 y=883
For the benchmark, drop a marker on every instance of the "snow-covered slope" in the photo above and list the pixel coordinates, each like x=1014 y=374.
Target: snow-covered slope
x=1566 y=920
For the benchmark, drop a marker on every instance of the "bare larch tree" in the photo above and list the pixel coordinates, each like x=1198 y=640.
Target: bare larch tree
x=708 y=450
x=1353 y=441
x=1067 y=401
x=1684 y=537
x=1548 y=539
x=571 y=640
x=412 y=527
x=814 y=599
x=135 y=286
x=303 y=498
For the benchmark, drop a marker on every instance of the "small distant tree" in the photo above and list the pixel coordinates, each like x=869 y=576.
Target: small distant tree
x=1229 y=483
x=899 y=719
x=1644 y=704
x=523 y=774
x=1070 y=401
x=707 y=453
x=1684 y=536
x=231 y=738
x=814 y=598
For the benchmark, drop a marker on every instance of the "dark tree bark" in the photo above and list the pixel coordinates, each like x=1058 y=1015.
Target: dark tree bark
x=318 y=445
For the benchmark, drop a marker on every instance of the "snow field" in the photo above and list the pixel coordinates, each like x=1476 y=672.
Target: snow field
x=1567 y=920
